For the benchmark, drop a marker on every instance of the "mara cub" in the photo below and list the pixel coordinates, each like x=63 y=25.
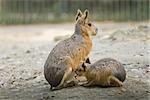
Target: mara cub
x=105 y=72
x=68 y=54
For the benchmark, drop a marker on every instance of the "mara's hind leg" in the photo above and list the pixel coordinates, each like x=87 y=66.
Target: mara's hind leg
x=115 y=82
x=63 y=82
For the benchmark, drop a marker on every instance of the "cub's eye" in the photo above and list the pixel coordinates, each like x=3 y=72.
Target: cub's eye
x=89 y=24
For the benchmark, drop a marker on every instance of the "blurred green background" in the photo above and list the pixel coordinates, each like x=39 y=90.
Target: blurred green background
x=55 y=11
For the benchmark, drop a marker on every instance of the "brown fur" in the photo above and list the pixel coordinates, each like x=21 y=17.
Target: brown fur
x=67 y=55
x=104 y=72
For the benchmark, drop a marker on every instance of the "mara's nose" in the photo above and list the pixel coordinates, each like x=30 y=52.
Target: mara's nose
x=96 y=30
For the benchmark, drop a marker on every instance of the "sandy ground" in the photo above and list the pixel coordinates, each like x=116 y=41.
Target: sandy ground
x=24 y=49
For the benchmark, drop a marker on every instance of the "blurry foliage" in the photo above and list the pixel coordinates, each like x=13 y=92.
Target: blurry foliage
x=45 y=11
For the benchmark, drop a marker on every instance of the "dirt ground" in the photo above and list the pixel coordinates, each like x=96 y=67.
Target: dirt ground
x=24 y=49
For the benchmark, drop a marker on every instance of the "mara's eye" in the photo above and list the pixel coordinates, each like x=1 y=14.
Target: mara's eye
x=89 y=24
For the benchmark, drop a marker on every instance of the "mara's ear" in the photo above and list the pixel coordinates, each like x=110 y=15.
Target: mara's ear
x=86 y=13
x=79 y=14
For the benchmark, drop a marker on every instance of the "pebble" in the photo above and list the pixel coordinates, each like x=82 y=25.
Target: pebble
x=28 y=51
x=123 y=89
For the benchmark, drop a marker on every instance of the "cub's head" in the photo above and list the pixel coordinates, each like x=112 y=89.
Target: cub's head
x=84 y=25
x=82 y=69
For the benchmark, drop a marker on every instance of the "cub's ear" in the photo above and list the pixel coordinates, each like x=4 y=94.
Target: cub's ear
x=86 y=13
x=88 y=61
x=79 y=14
x=84 y=66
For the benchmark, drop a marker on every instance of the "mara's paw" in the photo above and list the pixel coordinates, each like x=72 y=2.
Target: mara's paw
x=89 y=84
x=115 y=82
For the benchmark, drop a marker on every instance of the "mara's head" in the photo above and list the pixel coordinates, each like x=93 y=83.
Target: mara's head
x=82 y=69
x=84 y=25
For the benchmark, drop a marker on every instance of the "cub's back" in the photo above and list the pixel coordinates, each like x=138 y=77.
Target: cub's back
x=106 y=64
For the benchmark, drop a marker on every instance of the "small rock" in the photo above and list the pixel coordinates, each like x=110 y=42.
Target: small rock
x=45 y=83
x=128 y=64
x=147 y=91
x=141 y=54
x=138 y=63
x=123 y=90
x=31 y=78
x=147 y=65
x=136 y=91
x=138 y=55
x=7 y=57
x=146 y=71
x=28 y=51
x=12 y=82
x=119 y=92
x=21 y=78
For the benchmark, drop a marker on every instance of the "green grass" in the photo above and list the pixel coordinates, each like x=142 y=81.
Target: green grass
x=57 y=11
